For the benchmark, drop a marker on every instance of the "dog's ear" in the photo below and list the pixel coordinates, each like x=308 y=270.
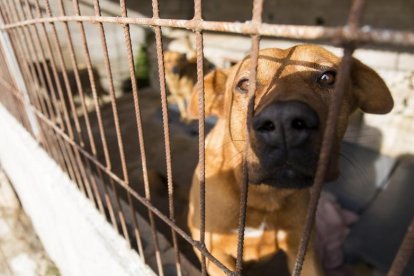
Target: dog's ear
x=372 y=94
x=214 y=88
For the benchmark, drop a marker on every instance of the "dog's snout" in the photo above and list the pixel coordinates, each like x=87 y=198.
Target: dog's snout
x=286 y=124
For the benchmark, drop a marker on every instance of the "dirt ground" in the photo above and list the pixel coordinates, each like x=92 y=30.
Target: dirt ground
x=21 y=252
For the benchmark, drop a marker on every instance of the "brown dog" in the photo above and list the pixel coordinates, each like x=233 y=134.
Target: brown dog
x=181 y=76
x=294 y=88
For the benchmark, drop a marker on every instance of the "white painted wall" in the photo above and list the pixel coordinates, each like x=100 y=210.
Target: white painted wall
x=75 y=235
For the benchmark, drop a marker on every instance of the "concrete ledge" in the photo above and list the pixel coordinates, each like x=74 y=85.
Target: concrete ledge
x=76 y=236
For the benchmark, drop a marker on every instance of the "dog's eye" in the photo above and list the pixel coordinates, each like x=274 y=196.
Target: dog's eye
x=243 y=85
x=327 y=79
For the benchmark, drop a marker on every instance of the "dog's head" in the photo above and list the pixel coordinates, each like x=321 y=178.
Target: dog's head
x=292 y=97
x=174 y=62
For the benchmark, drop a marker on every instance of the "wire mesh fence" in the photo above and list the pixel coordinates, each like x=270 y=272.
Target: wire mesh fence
x=73 y=129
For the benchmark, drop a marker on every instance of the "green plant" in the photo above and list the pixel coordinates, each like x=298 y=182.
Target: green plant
x=142 y=63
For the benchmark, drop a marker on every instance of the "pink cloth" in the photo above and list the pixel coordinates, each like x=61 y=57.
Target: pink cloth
x=332 y=227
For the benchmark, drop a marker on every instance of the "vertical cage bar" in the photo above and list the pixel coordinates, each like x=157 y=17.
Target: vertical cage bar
x=130 y=56
x=201 y=131
x=160 y=59
x=254 y=56
x=404 y=252
x=328 y=136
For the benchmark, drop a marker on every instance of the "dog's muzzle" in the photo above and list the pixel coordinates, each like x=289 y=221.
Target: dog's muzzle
x=282 y=140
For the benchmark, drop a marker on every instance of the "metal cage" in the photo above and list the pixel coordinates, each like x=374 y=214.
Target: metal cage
x=29 y=32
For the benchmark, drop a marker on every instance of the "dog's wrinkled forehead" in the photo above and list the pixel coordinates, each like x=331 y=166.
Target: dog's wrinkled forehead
x=288 y=74
x=274 y=64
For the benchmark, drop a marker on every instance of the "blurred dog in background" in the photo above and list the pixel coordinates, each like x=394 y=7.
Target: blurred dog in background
x=181 y=77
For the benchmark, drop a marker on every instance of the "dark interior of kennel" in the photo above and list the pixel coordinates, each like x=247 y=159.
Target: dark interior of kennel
x=371 y=202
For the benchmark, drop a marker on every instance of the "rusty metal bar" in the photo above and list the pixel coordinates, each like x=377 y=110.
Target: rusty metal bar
x=343 y=75
x=164 y=106
x=254 y=56
x=364 y=35
x=108 y=201
x=404 y=252
x=328 y=136
x=139 y=127
x=201 y=130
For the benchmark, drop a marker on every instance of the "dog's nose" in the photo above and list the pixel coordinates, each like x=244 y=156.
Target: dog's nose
x=176 y=70
x=286 y=124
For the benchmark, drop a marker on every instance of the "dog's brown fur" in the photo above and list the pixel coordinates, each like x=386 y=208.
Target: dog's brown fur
x=282 y=75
